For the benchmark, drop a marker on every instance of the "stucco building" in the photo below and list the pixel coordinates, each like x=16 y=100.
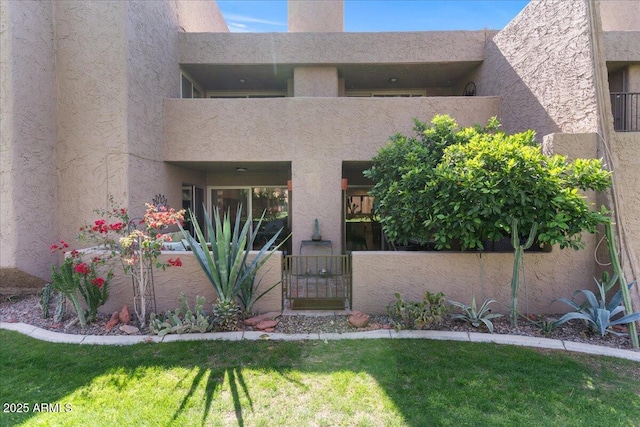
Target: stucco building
x=140 y=98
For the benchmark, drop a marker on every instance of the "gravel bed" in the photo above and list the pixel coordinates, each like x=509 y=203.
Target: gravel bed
x=26 y=309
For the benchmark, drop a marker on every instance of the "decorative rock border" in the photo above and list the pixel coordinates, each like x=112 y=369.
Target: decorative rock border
x=57 y=337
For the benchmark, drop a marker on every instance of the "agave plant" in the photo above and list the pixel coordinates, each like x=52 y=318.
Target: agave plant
x=226 y=264
x=597 y=312
x=249 y=292
x=474 y=316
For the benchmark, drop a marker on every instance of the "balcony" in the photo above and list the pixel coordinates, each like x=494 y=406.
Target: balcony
x=277 y=129
x=625 y=107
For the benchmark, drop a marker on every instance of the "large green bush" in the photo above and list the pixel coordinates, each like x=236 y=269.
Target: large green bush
x=480 y=184
x=471 y=184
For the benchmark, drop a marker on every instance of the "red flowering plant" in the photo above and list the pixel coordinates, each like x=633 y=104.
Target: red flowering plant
x=146 y=244
x=77 y=278
x=138 y=243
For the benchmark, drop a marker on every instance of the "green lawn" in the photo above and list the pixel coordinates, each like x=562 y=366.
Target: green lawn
x=312 y=383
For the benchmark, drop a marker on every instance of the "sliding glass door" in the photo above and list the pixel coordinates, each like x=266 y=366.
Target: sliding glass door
x=273 y=201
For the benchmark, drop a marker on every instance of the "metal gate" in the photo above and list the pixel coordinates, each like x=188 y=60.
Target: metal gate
x=316 y=282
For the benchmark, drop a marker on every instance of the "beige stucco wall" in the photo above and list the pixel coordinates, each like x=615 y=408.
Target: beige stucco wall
x=620 y=15
x=315 y=16
x=627 y=146
x=28 y=196
x=315 y=81
x=547 y=276
x=541 y=64
x=116 y=63
x=315 y=134
x=153 y=75
x=191 y=280
x=332 y=48
x=622 y=46
x=282 y=129
x=197 y=16
x=573 y=146
x=92 y=108
x=626 y=169
x=82 y=90
x=620 y=149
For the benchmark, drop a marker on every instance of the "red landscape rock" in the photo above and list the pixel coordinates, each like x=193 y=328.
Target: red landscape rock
x=358 y=319
x=124 y=315
x=115 y=319
x=266 y=324
x=253 y=321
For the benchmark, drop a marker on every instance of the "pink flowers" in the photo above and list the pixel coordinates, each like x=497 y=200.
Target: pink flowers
x=82 y=268
x=116 y=226
x=135 y=242
x=175 y=262
x=159 y=217
x=98 y=281
x=62 y=247
x=100 y=226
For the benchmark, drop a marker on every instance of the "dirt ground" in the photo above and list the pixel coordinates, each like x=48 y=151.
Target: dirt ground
x=14 y=281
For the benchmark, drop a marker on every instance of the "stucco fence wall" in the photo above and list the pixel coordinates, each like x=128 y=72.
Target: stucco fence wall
x=548 y=276
x=378 y=275
x=190 y=279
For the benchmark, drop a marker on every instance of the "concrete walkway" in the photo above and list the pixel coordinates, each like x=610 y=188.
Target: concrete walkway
x=57 y=337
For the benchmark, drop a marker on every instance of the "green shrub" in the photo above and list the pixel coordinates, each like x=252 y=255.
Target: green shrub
x=478 y=183
x=418 y=314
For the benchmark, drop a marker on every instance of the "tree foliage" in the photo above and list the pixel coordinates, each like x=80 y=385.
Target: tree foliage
x=472 y=184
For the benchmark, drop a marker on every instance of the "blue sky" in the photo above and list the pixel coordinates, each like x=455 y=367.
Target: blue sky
x=380 y=15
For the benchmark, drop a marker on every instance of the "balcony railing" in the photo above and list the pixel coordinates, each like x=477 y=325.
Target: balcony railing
x=626 y=111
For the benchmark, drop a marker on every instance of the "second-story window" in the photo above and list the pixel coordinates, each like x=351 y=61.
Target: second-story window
x=188 y=88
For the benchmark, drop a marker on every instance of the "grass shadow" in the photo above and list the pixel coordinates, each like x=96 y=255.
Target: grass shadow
x=364 y=382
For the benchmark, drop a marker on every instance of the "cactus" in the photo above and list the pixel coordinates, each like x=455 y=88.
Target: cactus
x=60 y=308
x=45 y=299
x=174 y=323
x=517 y=262
x=316 y=231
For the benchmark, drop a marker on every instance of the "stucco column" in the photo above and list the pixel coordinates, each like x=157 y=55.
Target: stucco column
x=315 y=81
x=28 y=174
x=316 y=194
x=314 y=16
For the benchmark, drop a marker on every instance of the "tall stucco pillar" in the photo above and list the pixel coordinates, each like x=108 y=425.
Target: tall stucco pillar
x=316 y=16
x=317 y=194
x=28 y=177
x=315 y=81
